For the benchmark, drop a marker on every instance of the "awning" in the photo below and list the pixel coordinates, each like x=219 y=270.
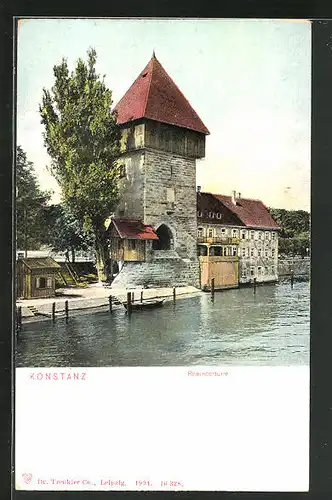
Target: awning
x=133 y=229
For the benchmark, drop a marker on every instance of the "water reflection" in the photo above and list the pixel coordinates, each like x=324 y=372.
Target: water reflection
x=237 y=327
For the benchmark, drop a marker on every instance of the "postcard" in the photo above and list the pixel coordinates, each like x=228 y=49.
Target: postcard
x=162 y=280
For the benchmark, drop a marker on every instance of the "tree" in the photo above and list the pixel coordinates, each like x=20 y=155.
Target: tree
x=83 y=140
x=66 y=233
x=295 y=230
x=31 y=203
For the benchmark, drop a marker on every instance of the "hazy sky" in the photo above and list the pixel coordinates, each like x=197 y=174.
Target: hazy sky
x=248 y=80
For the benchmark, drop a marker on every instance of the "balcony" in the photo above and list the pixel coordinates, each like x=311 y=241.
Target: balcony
x=219 y=240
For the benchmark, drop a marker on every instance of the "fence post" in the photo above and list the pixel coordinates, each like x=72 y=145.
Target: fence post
x=292 y=278
x=19 y=317
x=174 y=294
x=129 y=302
x=212 y=286
x=53 y=312
x=255 y=280
x=66 y=310
x=132 y=297
x=110 y=303
x=142 y=296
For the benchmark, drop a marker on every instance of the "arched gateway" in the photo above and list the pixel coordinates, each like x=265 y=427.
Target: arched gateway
x=165 y=238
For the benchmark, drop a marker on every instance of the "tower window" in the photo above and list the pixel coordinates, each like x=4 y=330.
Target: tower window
x=170 y=195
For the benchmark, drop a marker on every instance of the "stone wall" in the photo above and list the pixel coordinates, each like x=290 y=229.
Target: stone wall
x=170 y=198
x=159 y=273
x=131 y=185
x=300 y=267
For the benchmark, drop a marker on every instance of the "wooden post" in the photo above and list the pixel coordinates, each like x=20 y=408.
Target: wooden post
x=110 y=300
x=25 y=233
x=66 y=310
x=212 y=286
x=19 y=317
x=174 y=294
x=132 y=297
x=142 y=296
x=255 y=279
x=129 y=302
x=53 y=312
x=292 y=278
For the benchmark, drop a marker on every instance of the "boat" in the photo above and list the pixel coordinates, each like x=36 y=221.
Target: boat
x=146 y=304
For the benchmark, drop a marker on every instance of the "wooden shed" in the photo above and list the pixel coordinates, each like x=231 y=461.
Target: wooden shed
x=36 y=277
x=128 y=239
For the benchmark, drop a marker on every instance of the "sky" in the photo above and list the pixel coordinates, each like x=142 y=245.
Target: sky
x=248 y=80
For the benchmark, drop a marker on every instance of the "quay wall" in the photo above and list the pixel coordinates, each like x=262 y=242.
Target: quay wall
x=300 y=267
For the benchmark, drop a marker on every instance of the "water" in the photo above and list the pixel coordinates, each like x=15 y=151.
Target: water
x=237 y=328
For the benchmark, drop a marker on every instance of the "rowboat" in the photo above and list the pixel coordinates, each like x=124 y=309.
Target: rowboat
x=146 y=304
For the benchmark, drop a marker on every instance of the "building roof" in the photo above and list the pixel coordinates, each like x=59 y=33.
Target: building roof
x=251 y=212
x=133 y=229
x=155 y=96
x=40 y=263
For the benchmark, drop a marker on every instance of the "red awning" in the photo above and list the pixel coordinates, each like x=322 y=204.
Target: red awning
x=133 y=229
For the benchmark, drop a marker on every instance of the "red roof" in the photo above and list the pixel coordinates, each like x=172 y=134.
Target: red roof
x=252 y=213
x=154 y=95
x=134 y=229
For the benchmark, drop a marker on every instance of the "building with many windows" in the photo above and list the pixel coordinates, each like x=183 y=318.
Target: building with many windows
x=232 y=226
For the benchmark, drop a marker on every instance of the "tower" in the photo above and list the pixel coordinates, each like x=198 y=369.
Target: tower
x=162 y=136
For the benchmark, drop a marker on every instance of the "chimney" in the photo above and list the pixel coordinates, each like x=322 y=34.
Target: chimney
x=199 y=189
x=239 y=195
x=234 y=197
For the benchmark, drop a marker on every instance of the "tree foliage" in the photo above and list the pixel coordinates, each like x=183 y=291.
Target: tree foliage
x=65 y=233
x=295 y=231
x=83 y=139
x=31 y=205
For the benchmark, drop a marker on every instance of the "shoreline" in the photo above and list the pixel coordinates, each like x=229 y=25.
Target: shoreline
x=92 y=302
x=96 y=297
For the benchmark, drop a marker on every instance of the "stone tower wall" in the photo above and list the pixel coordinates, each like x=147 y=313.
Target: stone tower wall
x=131 y=185
x=170 y=198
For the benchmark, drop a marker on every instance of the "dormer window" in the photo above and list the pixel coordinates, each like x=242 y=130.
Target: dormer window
x=211 y=215
x=199 y=213
x=219 y=215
